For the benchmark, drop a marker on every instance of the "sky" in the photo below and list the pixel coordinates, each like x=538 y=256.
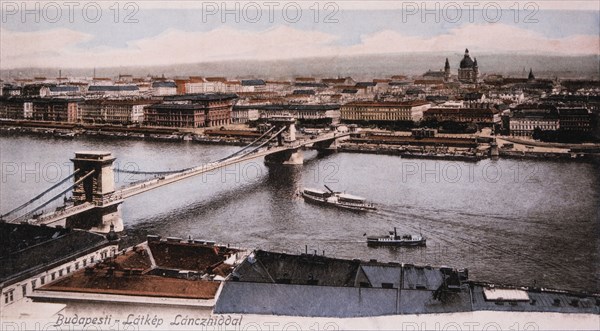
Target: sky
x=46 y=34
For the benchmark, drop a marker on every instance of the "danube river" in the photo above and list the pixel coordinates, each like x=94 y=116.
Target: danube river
x=508 y=221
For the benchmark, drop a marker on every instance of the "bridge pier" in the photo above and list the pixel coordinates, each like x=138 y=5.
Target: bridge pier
x=97 y=188
x=287 y=157
x=329 y=145
x=98 y=219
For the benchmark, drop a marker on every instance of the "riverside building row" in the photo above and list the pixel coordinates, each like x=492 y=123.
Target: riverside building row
x=209 y=110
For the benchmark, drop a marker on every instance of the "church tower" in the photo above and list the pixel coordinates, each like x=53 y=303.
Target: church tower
x=531 y=76
x=447 y=71
x=475 y=71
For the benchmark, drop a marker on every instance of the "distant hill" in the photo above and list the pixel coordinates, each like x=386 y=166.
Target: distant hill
x=358 y=67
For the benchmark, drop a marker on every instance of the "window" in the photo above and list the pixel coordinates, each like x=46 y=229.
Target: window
x=43 y=280
x=60 y=273
x=76 y=265
x=33 y=283
x=68 y=269
x=92 y=259
x=24 y=288
x=84 y=263
x=8 y=296
x=53 y=276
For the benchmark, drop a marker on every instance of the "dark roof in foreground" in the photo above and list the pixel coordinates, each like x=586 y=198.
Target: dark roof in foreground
x=27 y=249
x=318 y=286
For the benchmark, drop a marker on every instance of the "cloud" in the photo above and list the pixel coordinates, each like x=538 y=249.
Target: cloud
x=61 y=47
x=487 y=38
x=39 y=43
x=371 y=4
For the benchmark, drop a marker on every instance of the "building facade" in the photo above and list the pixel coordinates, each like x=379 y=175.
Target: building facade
x=373 y=111
x=478 y=114
x=575 y=120
x=113 y=90
x=191 y=111
x=244 y=114
x=164 y=88
x=524 y=121
x=56 y=110
x=59 y=91
x=113 y=111
x=12 y=108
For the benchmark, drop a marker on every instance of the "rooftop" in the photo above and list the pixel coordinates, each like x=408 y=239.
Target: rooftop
x=318 y=286
x=104 y=280
x=186 y=256
x=201 y=97
x=27 y=249
x=112 y=88
x=158 y=268
x=414 y=103
x=64 y=88
x=164 y=84
x=253 y=82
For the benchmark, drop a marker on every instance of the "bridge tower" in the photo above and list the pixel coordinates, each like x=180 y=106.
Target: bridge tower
x=97 y=188
x=288 y=136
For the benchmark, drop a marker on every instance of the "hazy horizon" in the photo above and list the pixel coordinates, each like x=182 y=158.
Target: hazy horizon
x=358 y=67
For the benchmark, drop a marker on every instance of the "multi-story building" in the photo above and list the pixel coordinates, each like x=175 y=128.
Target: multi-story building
x=244 y=114
x=175 y=115
x=484 y=116
x=164 y=88
x=56 y=110
x=305 y=114
x=11 y=90
x=113 y=90
x=316 y=114
x=514 y=96
x=253 y=85
x=479 y=113
x=191 y=111
x=58 y=91
x=113 y=111
x=12 y=108
x=575 y=120
x=524 y=120
x=373 y=111
x=28 y=109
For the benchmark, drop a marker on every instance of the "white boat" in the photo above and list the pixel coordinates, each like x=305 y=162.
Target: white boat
x=337 y=199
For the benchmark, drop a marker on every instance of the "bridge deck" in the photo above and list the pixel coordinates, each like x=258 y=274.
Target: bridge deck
x=141 y=187
x=119 y=195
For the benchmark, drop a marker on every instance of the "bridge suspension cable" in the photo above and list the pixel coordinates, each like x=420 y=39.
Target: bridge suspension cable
x=168 y=172
x=139 y=172
x=24 y=216
x=37 y=197
x=247 y=146
x=267 y=141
